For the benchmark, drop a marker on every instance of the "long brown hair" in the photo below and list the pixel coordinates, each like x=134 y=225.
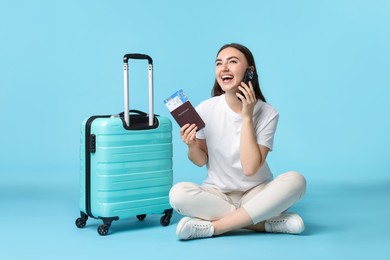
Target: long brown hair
x=217 y=90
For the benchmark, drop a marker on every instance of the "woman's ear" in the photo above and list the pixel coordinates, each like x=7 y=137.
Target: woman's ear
x=252 y=68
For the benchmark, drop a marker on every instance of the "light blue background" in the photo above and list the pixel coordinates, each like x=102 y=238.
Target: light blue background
x=323 y=64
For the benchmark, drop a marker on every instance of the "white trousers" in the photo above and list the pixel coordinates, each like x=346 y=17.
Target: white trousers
x=261 y=202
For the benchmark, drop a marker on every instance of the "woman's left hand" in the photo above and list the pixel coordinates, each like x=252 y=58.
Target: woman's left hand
x=248 y=99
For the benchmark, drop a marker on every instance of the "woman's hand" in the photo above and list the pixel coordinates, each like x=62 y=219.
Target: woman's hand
x=197 y=149
x=248 y=99
x=188 y=133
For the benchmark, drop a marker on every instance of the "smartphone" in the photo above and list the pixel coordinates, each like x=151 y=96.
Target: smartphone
x=251 y=76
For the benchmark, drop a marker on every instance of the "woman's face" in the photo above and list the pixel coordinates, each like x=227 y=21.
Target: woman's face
x=230 y=67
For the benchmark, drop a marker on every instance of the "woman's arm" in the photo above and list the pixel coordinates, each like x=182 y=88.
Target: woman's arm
x=252 y=155
x=197 y=152
x=197 y=148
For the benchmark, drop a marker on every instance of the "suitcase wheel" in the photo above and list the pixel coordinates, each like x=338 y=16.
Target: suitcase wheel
x=166 y=219
x=141 y=217
x=81 y=221
x=103 y=229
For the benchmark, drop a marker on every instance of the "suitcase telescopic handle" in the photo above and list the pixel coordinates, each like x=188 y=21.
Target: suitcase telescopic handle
x=137 y=56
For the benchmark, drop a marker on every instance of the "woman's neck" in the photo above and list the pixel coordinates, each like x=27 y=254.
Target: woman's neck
x=233 y=102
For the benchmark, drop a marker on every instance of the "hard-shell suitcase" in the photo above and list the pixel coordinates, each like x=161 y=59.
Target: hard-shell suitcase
x=126 y=163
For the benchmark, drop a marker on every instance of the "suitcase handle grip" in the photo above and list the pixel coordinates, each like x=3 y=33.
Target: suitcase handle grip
x=138 y=56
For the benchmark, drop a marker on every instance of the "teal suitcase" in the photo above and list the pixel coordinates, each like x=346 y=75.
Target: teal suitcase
x=126 y=163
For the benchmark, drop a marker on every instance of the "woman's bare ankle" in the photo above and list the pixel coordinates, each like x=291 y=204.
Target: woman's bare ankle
x=259 y=227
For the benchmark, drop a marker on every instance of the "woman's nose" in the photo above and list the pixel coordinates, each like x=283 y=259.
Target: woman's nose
x=225 y=67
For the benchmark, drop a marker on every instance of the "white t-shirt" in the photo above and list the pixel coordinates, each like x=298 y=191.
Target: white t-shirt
x=222 y=134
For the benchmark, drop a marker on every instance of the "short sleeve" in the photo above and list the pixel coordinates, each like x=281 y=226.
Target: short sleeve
x=265 y=132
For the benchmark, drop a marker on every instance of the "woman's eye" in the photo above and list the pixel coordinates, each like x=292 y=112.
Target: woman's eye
x=218 y=64
x=233 y=61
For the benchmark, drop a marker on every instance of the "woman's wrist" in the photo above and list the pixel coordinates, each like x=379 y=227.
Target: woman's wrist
x=247 y=119
x=196 y=155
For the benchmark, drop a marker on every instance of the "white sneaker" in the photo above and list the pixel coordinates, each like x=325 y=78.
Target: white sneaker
x=290 y=223
x=190 y=228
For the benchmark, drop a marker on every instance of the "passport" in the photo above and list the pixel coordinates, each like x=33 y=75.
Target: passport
x=182 y=110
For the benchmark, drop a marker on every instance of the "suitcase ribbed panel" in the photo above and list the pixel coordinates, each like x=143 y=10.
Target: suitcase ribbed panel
x=131 y=170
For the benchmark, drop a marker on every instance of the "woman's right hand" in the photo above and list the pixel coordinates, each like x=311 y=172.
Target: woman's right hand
x=188 y=133
x=197 y=148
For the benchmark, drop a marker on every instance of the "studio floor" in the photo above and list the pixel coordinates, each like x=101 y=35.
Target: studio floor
x=345 y=219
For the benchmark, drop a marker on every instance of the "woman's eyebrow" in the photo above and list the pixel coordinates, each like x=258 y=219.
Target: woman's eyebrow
x=229 y=58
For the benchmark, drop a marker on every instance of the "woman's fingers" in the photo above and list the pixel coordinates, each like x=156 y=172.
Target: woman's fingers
x=247 y=92
x=188 y=133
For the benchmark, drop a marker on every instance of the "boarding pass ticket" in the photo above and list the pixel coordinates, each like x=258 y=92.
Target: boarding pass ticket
x=176 y=100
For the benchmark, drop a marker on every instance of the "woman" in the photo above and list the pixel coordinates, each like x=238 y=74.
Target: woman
x=239 y=191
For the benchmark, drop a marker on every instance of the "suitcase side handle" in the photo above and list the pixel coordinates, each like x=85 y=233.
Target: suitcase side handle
x=138 y=56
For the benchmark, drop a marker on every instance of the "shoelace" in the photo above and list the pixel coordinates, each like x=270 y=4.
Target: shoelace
x=200 y=230
x=278 y=225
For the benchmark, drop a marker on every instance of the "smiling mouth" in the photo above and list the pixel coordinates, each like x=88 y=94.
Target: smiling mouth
x=227 y=78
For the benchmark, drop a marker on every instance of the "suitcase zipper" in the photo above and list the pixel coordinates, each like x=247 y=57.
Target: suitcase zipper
x=90 y=147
